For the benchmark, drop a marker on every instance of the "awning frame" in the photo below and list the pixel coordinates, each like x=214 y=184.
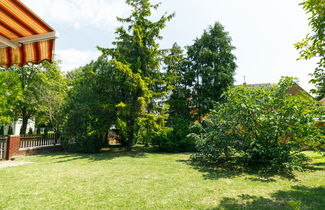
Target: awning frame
x=15 y=43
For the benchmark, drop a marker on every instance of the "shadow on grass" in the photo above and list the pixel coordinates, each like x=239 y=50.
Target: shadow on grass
x=302 y=196
x=106 y=154
x=231 y=169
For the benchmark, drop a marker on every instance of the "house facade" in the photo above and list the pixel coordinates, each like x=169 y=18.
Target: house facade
x=16 y=126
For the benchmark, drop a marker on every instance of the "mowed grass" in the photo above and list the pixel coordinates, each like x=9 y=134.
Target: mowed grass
x=145 y=180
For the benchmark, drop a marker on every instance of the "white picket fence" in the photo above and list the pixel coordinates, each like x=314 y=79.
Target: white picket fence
x=38 y=141
x=3 y=148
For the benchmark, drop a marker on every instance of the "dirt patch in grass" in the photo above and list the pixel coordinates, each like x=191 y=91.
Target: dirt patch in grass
x=5 y=164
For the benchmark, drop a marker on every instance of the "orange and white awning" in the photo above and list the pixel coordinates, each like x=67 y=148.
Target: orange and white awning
x=24 y=37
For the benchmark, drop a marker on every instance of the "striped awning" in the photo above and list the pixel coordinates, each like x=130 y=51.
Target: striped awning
x=24 y=37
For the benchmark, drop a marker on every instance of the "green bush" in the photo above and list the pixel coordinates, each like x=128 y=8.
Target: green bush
x=261 y=127
x=176 y=138
x=80 y=136
x=84 y=144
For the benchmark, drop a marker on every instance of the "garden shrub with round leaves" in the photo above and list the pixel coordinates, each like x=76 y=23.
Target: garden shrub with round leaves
x=263 y=127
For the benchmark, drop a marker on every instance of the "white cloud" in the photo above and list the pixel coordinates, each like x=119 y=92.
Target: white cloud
x=73 y=58
x=80 y=13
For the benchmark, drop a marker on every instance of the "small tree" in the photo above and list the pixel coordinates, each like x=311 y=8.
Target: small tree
x=266 y=127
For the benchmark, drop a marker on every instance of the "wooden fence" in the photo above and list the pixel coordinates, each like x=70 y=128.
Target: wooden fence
x=3 y=147
x=38 y=141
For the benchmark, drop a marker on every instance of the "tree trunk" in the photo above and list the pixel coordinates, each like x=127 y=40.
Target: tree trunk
x=25 y=122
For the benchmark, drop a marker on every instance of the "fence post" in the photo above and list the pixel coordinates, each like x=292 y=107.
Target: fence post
x=13 y=144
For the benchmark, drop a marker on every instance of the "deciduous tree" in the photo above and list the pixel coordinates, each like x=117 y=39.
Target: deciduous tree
x=313 y=45
x=36 y=84
x=10 y=92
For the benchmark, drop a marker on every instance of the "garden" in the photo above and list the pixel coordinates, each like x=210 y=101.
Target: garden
x=185 y=137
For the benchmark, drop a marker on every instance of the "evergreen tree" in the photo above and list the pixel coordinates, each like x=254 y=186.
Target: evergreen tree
x=212 y=68
x=177 y=70
x=199 y=79
x=203 y=75
x=137 y=58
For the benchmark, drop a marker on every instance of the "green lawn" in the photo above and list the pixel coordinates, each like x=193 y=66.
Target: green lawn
x=143 y=180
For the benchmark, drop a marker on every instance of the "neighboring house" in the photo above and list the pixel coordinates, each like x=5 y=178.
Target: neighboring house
x=16 y=126
x=294 y=90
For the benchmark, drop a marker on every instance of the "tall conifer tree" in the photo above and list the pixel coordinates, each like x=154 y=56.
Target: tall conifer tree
x=137 y=56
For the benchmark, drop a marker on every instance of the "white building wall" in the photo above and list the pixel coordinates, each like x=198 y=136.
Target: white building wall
x=16 y=126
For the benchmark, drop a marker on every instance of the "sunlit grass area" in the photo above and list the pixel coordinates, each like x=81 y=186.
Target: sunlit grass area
x=141 y=179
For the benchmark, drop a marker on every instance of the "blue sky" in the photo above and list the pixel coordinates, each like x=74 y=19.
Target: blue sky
x=263 y=31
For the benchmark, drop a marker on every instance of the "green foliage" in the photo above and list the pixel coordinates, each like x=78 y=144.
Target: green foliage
x=41 y=88
x=10 y=92
x=90 y=106
x=313 y=45
x=262 y=127
x=175 y=139
x=136 y=59
x=295 y=205
x=30 y=78
x=198 y=78
x=52 y=97
x=211 y=69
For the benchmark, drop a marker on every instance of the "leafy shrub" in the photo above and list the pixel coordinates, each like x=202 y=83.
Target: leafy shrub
x=262 y=127
x=176 y=138
x=84 y=144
